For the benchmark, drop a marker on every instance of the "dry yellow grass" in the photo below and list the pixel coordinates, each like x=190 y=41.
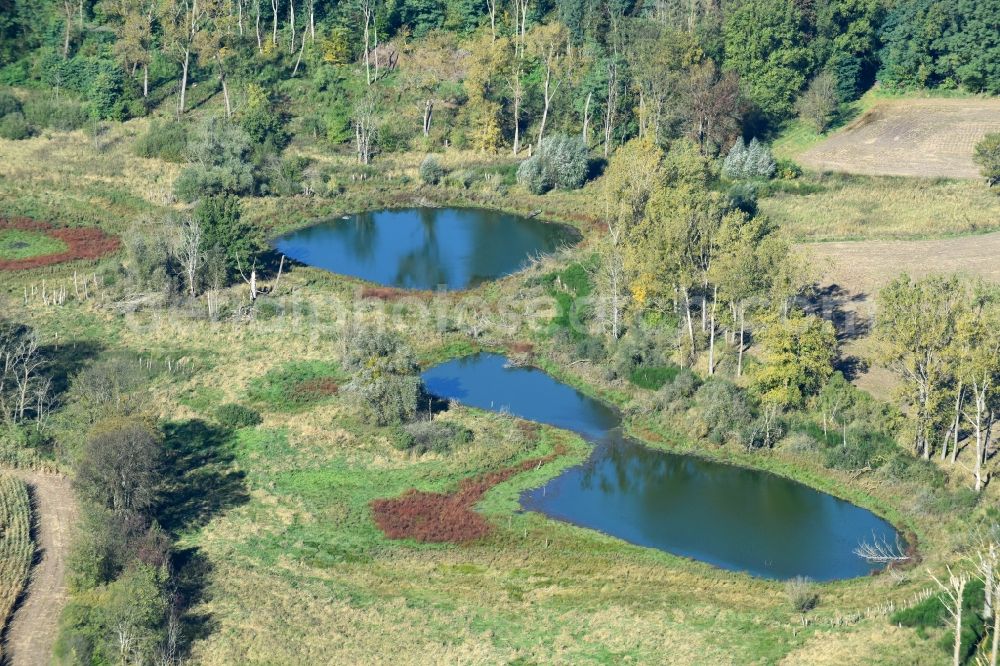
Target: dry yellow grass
x=885 y=208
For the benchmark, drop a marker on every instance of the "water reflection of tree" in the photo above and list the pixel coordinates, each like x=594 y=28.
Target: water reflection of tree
x=362 y=235
x=426 y=266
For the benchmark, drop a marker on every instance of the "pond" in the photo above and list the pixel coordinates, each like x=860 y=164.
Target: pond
x=732 y=517
x=425 y=248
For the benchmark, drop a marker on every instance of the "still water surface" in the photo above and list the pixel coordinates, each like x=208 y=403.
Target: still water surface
x=732 y=517
x=425 y=248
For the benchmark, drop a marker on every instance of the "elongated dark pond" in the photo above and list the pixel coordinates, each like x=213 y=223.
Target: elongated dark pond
x=731 y=517
x=425 y=248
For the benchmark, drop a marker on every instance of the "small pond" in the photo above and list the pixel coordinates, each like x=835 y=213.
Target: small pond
x=732 y=517
x=425 y=248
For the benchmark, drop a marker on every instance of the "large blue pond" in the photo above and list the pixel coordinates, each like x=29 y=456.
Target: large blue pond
x=425 y=248
x=732 y=517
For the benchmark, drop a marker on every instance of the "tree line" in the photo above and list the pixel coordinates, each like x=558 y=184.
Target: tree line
x=504 y=74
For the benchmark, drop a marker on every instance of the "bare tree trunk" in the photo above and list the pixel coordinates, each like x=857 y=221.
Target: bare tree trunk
x=739 y=363
x=184 y=78
x=225 y=88
x=260 y=42
x=366 y=10
x=996 y=631
x=517 y=90
x=291 y=25
x=586 y=119
x=687 y=311
x=239 y=18
x=428 y=110
x=547 y=97
x=711 y=333
x=491 y=6
x=612 y=101
x=69 y=22
x=145 y=79
x=274 y=22
x=298 y=60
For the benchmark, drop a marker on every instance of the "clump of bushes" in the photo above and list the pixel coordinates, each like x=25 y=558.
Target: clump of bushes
x=219 y=155
x=386 y=378
x=235 y=416
x=987 y=156
x=653 y=377
x=801 y=594
x=436 y=436
x=561 y=162
x=431 y=171
x=748 y=161
x=725 y=411
x=63 y=114
x=9 y=103
x=14 y=127
x=163 y=140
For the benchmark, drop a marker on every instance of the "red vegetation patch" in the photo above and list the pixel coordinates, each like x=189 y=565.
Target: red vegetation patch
x=446 y=517
x=313 y=389
x=521 y=347
x=81 y=243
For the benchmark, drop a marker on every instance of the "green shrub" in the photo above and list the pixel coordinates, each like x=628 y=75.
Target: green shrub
x=436 y=436
x=561 y=162
x=285 y=176
x=9 y=103
x=863 y=450
x=235 y=416
x=531 y=175
x=677 y=392
x=63 y=114
x=566 y=159
x=219 y=156
x=987 y=156
x=166 y=140
x=431 y=171
x=385 y=378
x=113 y=96
x=653 y=377
x=13 y=126
x=725 y=410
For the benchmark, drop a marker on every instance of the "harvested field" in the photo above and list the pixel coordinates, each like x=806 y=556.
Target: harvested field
x=80 y=243
x=852 y=273
x=445 y=517
x=16 y=547
x=911 y=137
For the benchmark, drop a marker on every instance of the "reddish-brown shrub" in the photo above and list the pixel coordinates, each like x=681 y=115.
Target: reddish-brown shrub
x=521 y=347
x=81 y=243
x=445 y=517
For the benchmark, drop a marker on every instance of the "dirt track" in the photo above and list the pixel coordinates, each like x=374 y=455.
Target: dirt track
x=33 y=629
x=910 y=137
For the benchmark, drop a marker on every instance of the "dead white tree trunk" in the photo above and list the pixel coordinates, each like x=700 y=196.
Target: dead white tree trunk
x=954 y=590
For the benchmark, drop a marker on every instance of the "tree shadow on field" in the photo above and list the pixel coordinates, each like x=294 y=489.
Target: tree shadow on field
x=63 y=361
x=200 y=483
x=839 y=306
x=199 y=479
x=191 y=573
